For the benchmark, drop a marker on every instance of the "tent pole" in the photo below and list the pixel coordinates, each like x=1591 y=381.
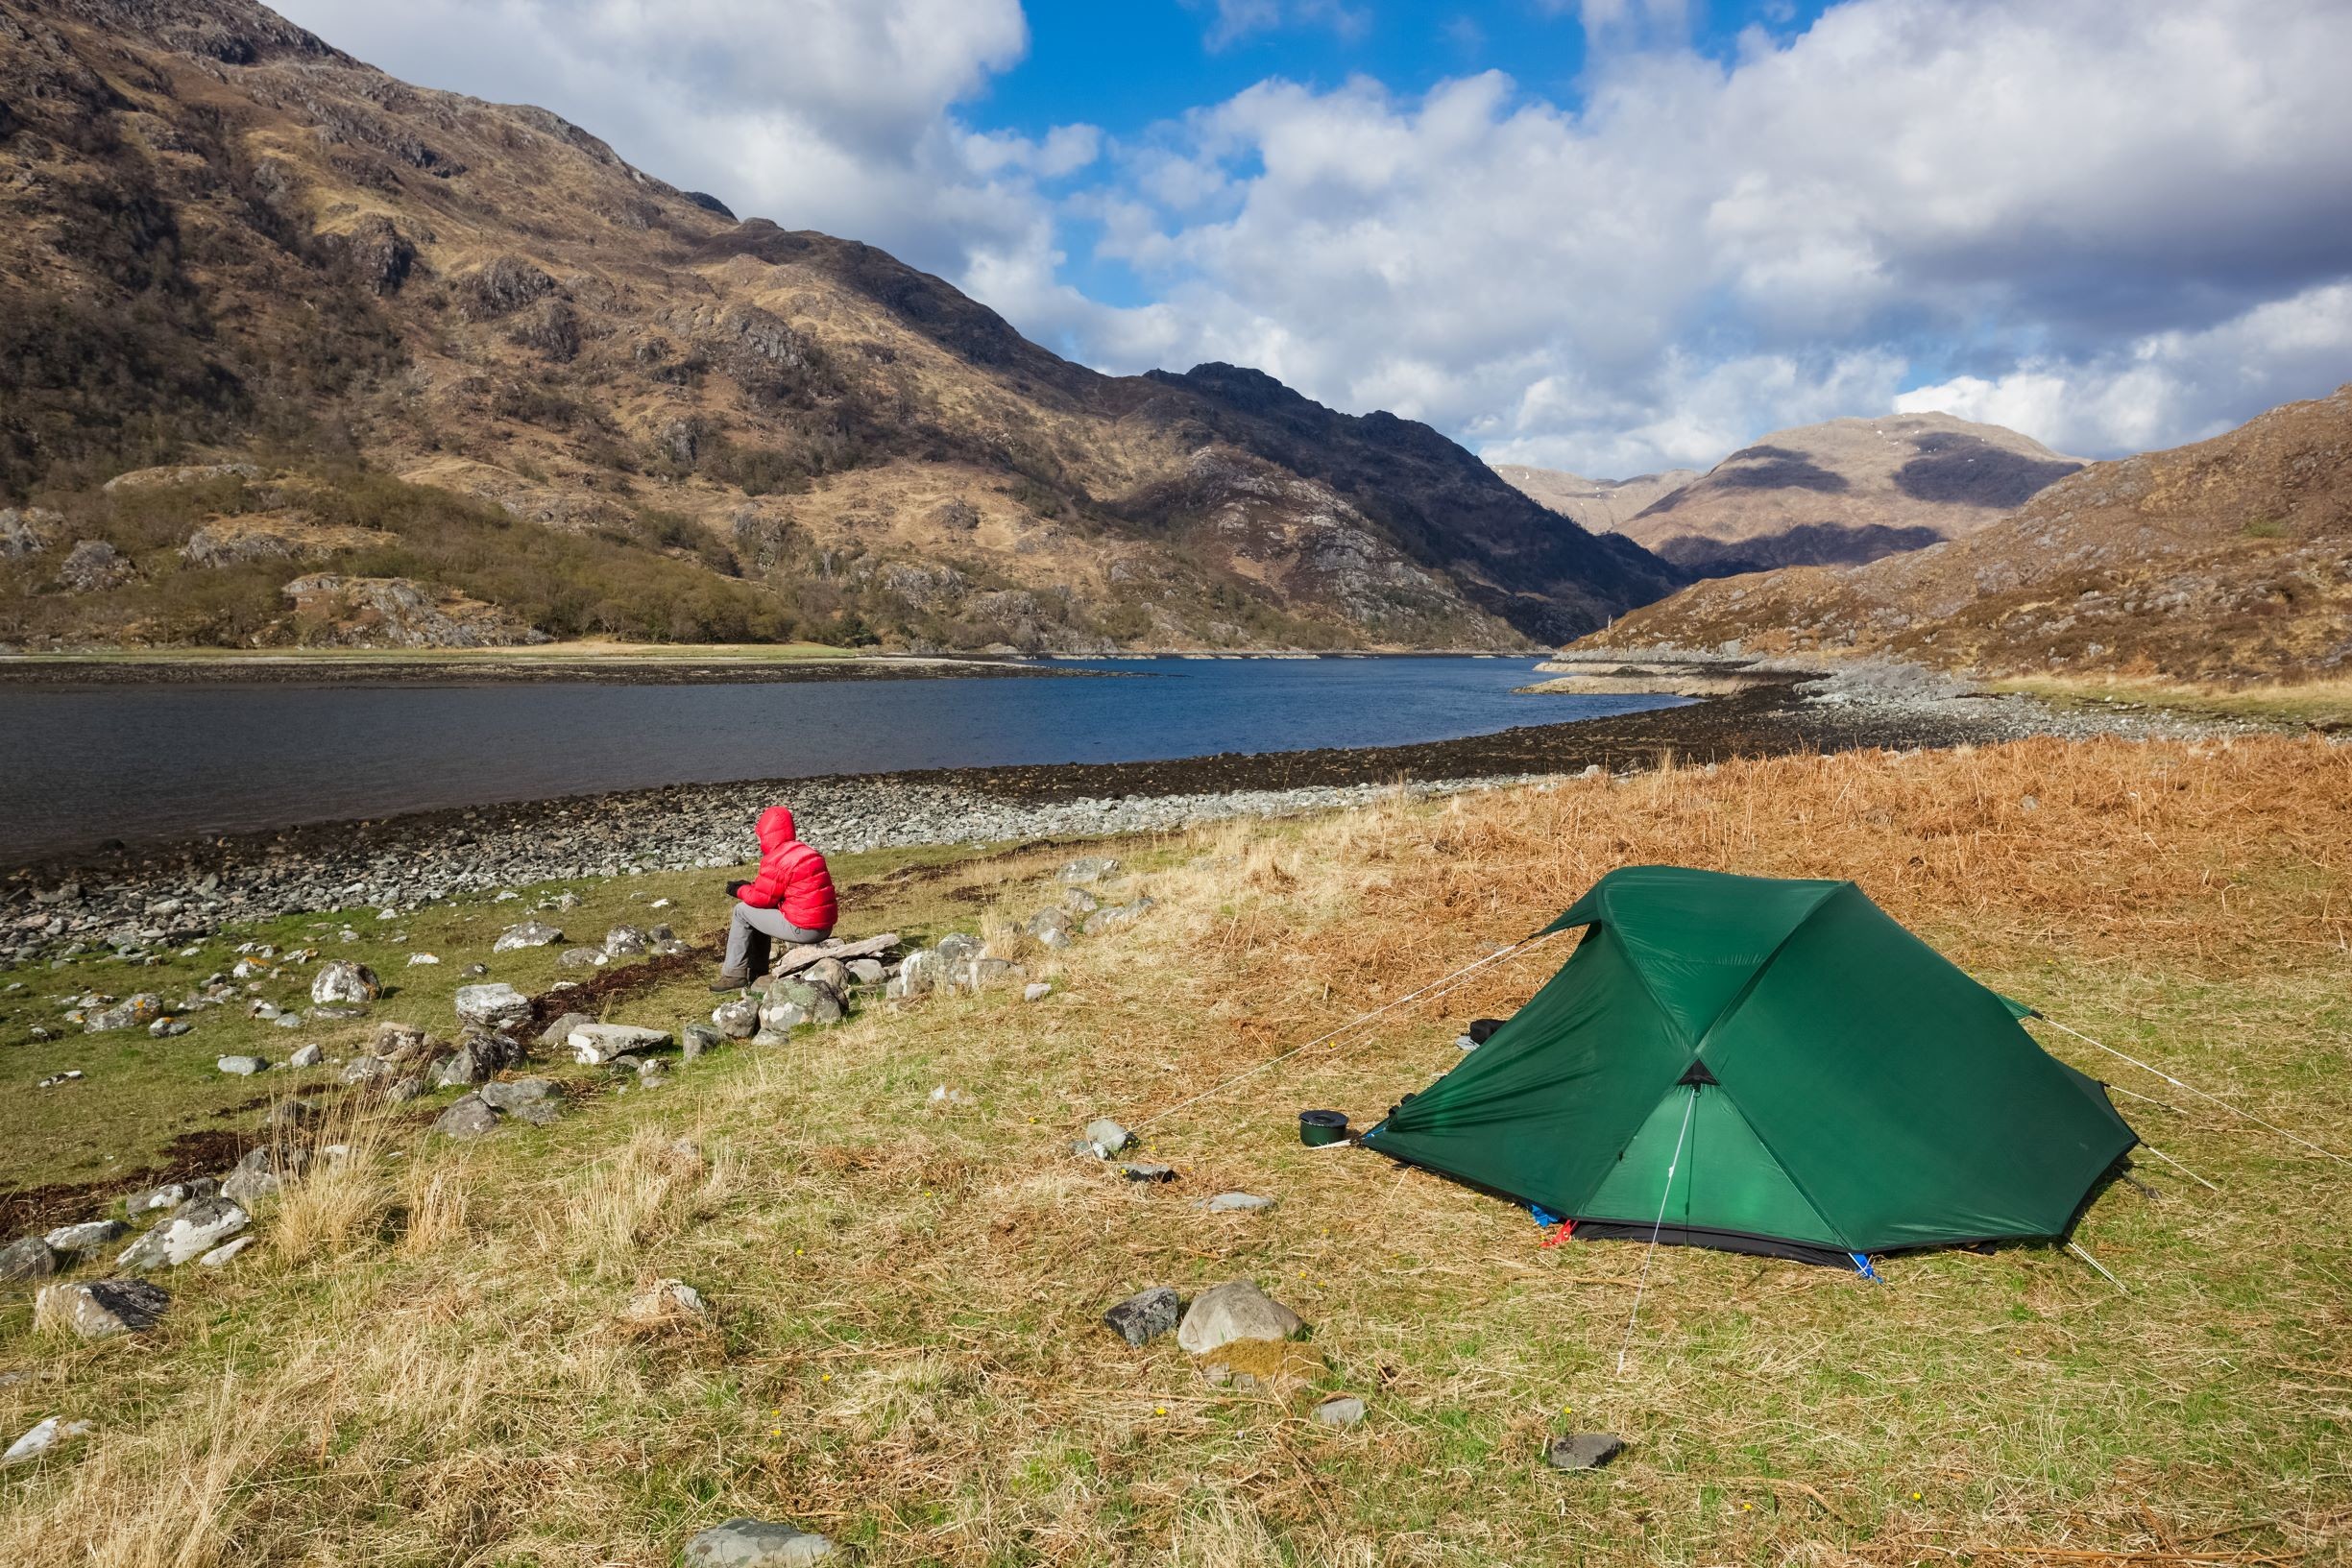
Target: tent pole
x=2201 y=1093
x=1656 y=1226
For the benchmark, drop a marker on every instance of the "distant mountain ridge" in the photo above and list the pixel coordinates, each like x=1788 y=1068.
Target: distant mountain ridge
x=225 y=243
x=2226 y=560
x=1843 y=492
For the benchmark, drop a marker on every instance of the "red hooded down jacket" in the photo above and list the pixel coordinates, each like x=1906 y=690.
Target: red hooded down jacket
x=794 y=880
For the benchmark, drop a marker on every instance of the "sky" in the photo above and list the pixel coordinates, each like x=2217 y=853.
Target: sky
x=1611 y=236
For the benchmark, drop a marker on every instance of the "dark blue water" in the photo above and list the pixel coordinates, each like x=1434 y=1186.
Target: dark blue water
x=85 y=764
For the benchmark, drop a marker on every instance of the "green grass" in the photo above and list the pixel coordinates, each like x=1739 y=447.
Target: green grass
x=905 y=1352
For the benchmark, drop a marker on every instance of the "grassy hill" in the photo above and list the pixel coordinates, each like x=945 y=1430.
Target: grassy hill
x=430 y=1354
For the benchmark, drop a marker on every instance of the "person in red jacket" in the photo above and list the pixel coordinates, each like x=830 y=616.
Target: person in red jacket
x=791 y=899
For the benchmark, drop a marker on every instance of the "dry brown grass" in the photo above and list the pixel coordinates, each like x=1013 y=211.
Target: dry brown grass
x=901 y=1349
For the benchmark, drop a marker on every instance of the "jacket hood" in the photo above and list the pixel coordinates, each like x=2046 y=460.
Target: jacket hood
x=775 y=829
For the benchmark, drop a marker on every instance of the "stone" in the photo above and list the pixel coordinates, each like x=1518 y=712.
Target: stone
x=1036 y=991
x=782 y=1018
x=944 y=1096
x=47 y=1434
x=920 y=973
x=405 y=1088
x=220 y=1257
x=512 y=1094
x=309 y=1055
x=1079 y=901
x=818 y=1003
x=1339 y=1410
x=581 y=957
x=1088 y=868
x=170 y=1196
x=625 y=941
x=292 y=1113
x=93 y=566
x=249 y=1187
x=1582 y=1451
x=399 y=1042
x=293 y=1021
x=552 y=1037
x=131 y=1013
x=417 y=958
x=1145 y=1315
x=868 y=970
x=101 y=1308
x=531 y=933
x=169 y=1028
x=361 y=1069
x=540 y=1113
x=1146 y=1171
x=1236 y=1310
x=983 y=972
x=30 y=1257
x=470 y=1117
x=1112 y=916
x=1050 y=926
x=696 y=1038
x=346 y=981
x=799 y=957
x=1238 y=1203
x=956 y=948
x=829 y=973
x=195 y=1229
x=244 y=1067
x=737 y=1020
x=86 y=1237
x=753 y=1543
x=667 y=1300
x=496 y=1005
x=595 y=1042
x=1107 y=1136
x=481 y=1055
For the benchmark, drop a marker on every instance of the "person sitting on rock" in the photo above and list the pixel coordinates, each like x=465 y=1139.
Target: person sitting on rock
x=791 y=899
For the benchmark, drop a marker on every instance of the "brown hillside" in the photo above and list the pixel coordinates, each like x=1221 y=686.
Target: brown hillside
x=223 y=241
x=2227 y=559
x=1845 y=492
x=1597 y=504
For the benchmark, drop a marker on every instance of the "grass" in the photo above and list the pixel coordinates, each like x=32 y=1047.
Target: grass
x=2318 y=704
x=434 y=1362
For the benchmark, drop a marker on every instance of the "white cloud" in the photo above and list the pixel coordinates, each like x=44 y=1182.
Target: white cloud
x=1702 y=250
x=1234 y=20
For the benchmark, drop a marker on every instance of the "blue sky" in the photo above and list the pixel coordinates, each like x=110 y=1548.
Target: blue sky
x=1608 y=235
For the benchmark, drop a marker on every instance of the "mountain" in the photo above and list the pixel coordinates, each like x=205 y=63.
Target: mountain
x=1844 y=491
x=440 y=351
x=1598 y=504
x=2227 y=559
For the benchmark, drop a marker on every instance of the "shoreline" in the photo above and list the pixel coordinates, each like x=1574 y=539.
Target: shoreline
x=145 y=896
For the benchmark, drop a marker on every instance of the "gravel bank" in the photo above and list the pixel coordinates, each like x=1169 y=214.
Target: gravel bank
x=147 y=896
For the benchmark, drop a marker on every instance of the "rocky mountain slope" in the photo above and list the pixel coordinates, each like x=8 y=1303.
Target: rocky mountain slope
x=1847 y=490
x=1602 y=505
x=2227 y=559
x=347 y=327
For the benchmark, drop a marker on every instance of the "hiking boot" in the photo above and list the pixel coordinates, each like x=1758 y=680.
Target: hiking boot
x=727 y=981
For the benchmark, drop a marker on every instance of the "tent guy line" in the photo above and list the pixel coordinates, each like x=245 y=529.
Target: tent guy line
x=1445 y=982
x=2292 y=1138
x=1657 y=1225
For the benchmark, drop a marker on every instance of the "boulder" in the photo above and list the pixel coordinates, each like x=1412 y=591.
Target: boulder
x=737 y=1020
x=1051 y=926
x=800 y=957
x=553 y=1036
x=1339 y=1410
x=1107 y=1136
x=220 y=1257
x=100 y=1308
x=249 y=1187
x=169 y=1028
x=919 y=974
x=1079 y=901
x=93 y=566
x=170 y=1196
x=1112 y=916
x=1088 y=868
x=1145 y=1315
x=1036 y=991
x=531 y=933
x=595 y=1042
x=244 y=1067
x=1236 y=1310
x=361 y=1069
x=866 y=971
x=752 y=1543
x=346 y=981
x=581 y=957
x=87 y=1237
x=512 y=1094
x=782 y=1018
x=829 y=973
x=309 y=1055
x=696 y=1038
x=130 y=1013
x=956 y=948
x=31 y=1257
x=819 y=1002
x=496 y=1005
x=192 y=1231
x=481 y=1055
x=470 y=1117
x=625 y=941
x=1582 y=1451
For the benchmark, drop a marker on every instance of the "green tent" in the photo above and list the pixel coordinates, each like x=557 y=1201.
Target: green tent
x=1766 y=1066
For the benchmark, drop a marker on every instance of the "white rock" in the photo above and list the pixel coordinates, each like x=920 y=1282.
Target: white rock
x=220 y=1256
x=308 y=1056
x=597 y=1043
x=1036 y=991
x=416 y=958
x=1237 y=1310
x=45 y=1435
x=495 y=1005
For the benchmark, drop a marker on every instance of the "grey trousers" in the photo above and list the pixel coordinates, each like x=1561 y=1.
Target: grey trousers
x=749 y=934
